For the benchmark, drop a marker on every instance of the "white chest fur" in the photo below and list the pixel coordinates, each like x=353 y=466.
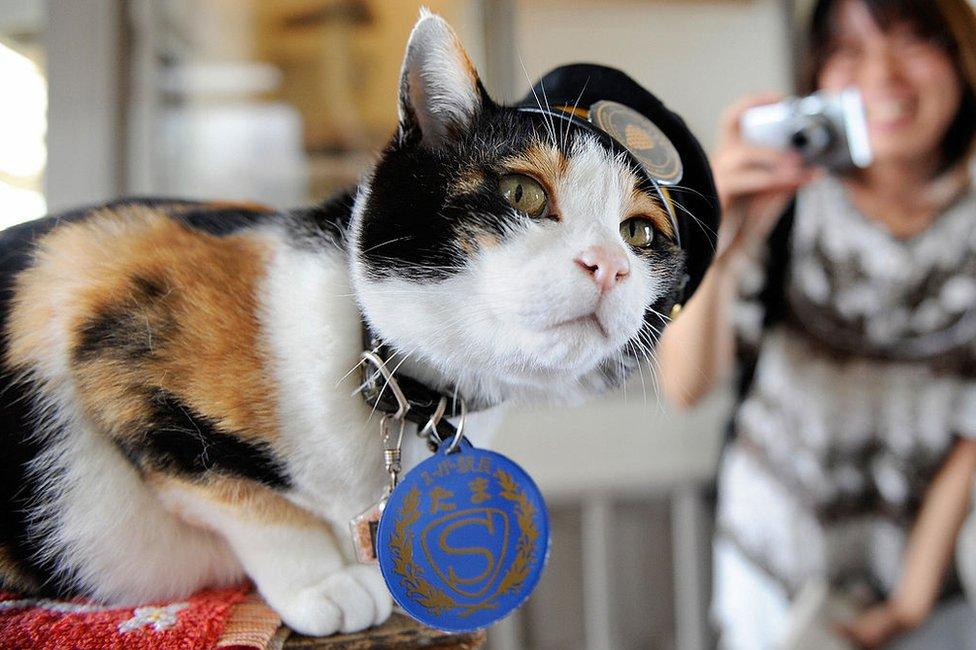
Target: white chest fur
x=313 y=332
x=329 y=436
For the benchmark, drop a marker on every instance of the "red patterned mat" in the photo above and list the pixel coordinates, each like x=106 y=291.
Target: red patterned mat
x=224 y=618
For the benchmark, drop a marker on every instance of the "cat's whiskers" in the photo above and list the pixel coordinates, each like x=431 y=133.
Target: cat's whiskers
x=710 y=233
x=664 y=319
x=386 y=243
x=652 y=360
x=623 y=372
x=406 y=268
x=359 y=364
x=547 y=120
x=640 y=372
x=575 y=106
x=552 y=120
x=406 y=356
x=656 y=380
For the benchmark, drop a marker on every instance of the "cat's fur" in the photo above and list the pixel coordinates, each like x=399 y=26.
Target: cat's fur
x=178 y=406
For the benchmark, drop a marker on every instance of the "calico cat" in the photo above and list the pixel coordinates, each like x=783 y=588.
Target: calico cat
x=179 y=406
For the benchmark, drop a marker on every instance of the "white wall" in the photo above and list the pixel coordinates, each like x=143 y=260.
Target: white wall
x=697 y=55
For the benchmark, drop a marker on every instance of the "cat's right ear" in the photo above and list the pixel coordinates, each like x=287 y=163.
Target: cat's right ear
x=440 y=93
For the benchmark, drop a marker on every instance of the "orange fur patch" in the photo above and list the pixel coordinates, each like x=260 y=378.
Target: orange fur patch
x=201 y=325
x=543 y=162
x=244 y=206
x=642 y=204
x=476 y=240
x=464 y=59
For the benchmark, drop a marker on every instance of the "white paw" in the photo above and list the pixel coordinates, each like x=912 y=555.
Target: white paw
x=351 y=599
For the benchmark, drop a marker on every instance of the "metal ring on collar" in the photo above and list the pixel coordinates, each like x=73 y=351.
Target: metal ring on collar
x=431 y=427
x=402 y=404
x=460 y=429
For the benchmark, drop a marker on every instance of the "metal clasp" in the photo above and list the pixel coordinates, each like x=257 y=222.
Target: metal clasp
x=392 y=453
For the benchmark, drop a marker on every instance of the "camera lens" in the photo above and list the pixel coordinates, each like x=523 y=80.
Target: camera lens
x=812 y=138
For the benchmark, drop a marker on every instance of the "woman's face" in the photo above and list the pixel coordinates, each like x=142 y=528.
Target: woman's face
x=911 y=89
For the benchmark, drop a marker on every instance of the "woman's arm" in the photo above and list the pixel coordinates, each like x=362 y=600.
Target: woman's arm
x=696 y=350
x=755 y=185
x=929 y=551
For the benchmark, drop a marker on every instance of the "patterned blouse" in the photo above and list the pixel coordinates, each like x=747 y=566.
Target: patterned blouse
x=857 y=391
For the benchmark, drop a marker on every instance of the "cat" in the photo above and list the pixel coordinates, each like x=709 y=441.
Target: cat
x=179 y=406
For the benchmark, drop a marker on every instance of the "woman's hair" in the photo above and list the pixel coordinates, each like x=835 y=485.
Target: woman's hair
x=949 y=23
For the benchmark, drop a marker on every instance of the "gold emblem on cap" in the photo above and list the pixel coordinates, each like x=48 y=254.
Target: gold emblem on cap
x=637 y=138
x=645 y=141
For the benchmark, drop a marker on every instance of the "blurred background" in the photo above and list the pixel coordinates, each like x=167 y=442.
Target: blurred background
x=284 y=101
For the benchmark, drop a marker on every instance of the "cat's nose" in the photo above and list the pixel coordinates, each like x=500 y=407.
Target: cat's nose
x=607 y=266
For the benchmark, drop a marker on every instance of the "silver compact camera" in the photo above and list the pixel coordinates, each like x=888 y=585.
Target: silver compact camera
x=827 y=129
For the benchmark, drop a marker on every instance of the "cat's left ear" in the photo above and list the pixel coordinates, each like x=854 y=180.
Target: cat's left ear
x=440 y=93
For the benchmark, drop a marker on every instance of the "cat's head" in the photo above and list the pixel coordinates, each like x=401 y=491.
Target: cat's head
x=511 y=251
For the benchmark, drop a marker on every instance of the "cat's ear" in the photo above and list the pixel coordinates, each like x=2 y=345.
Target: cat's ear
x=440 y=93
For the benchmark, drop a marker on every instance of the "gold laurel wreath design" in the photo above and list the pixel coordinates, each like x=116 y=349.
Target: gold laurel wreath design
x=436 y=600
x=525 y=515
x=425 y=593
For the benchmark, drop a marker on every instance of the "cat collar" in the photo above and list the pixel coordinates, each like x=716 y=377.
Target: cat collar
x=405 y=398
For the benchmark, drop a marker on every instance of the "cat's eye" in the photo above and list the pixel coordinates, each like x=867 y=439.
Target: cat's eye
x=638 y=232
x=525 y=194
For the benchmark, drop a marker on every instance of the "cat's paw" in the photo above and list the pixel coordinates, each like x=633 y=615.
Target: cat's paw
x=351 y=599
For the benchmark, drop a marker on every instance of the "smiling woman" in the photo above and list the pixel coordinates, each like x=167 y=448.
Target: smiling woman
x=855 y=333
x=934 y=95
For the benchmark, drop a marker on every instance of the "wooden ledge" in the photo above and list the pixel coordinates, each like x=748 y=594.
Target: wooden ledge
x=398 y=633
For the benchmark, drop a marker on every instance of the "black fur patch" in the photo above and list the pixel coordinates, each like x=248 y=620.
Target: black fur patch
x=19 y=488
x=326 y=222
x=219 y=220
x=132 y=329
x=413 y=225
x=181 y=441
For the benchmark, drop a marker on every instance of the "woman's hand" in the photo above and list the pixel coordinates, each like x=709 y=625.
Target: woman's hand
x=927 y=555
x=876 y=626
x=755 y=184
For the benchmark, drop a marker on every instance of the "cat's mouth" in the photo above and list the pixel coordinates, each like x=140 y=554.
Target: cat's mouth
x=590 y=320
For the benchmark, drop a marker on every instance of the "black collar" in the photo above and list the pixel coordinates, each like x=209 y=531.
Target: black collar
x=383 y=392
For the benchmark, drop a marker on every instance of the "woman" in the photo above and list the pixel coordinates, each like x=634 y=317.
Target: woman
x=853 y=446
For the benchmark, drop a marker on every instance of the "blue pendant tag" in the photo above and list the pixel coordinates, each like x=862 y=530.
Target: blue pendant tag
x=463 y=539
